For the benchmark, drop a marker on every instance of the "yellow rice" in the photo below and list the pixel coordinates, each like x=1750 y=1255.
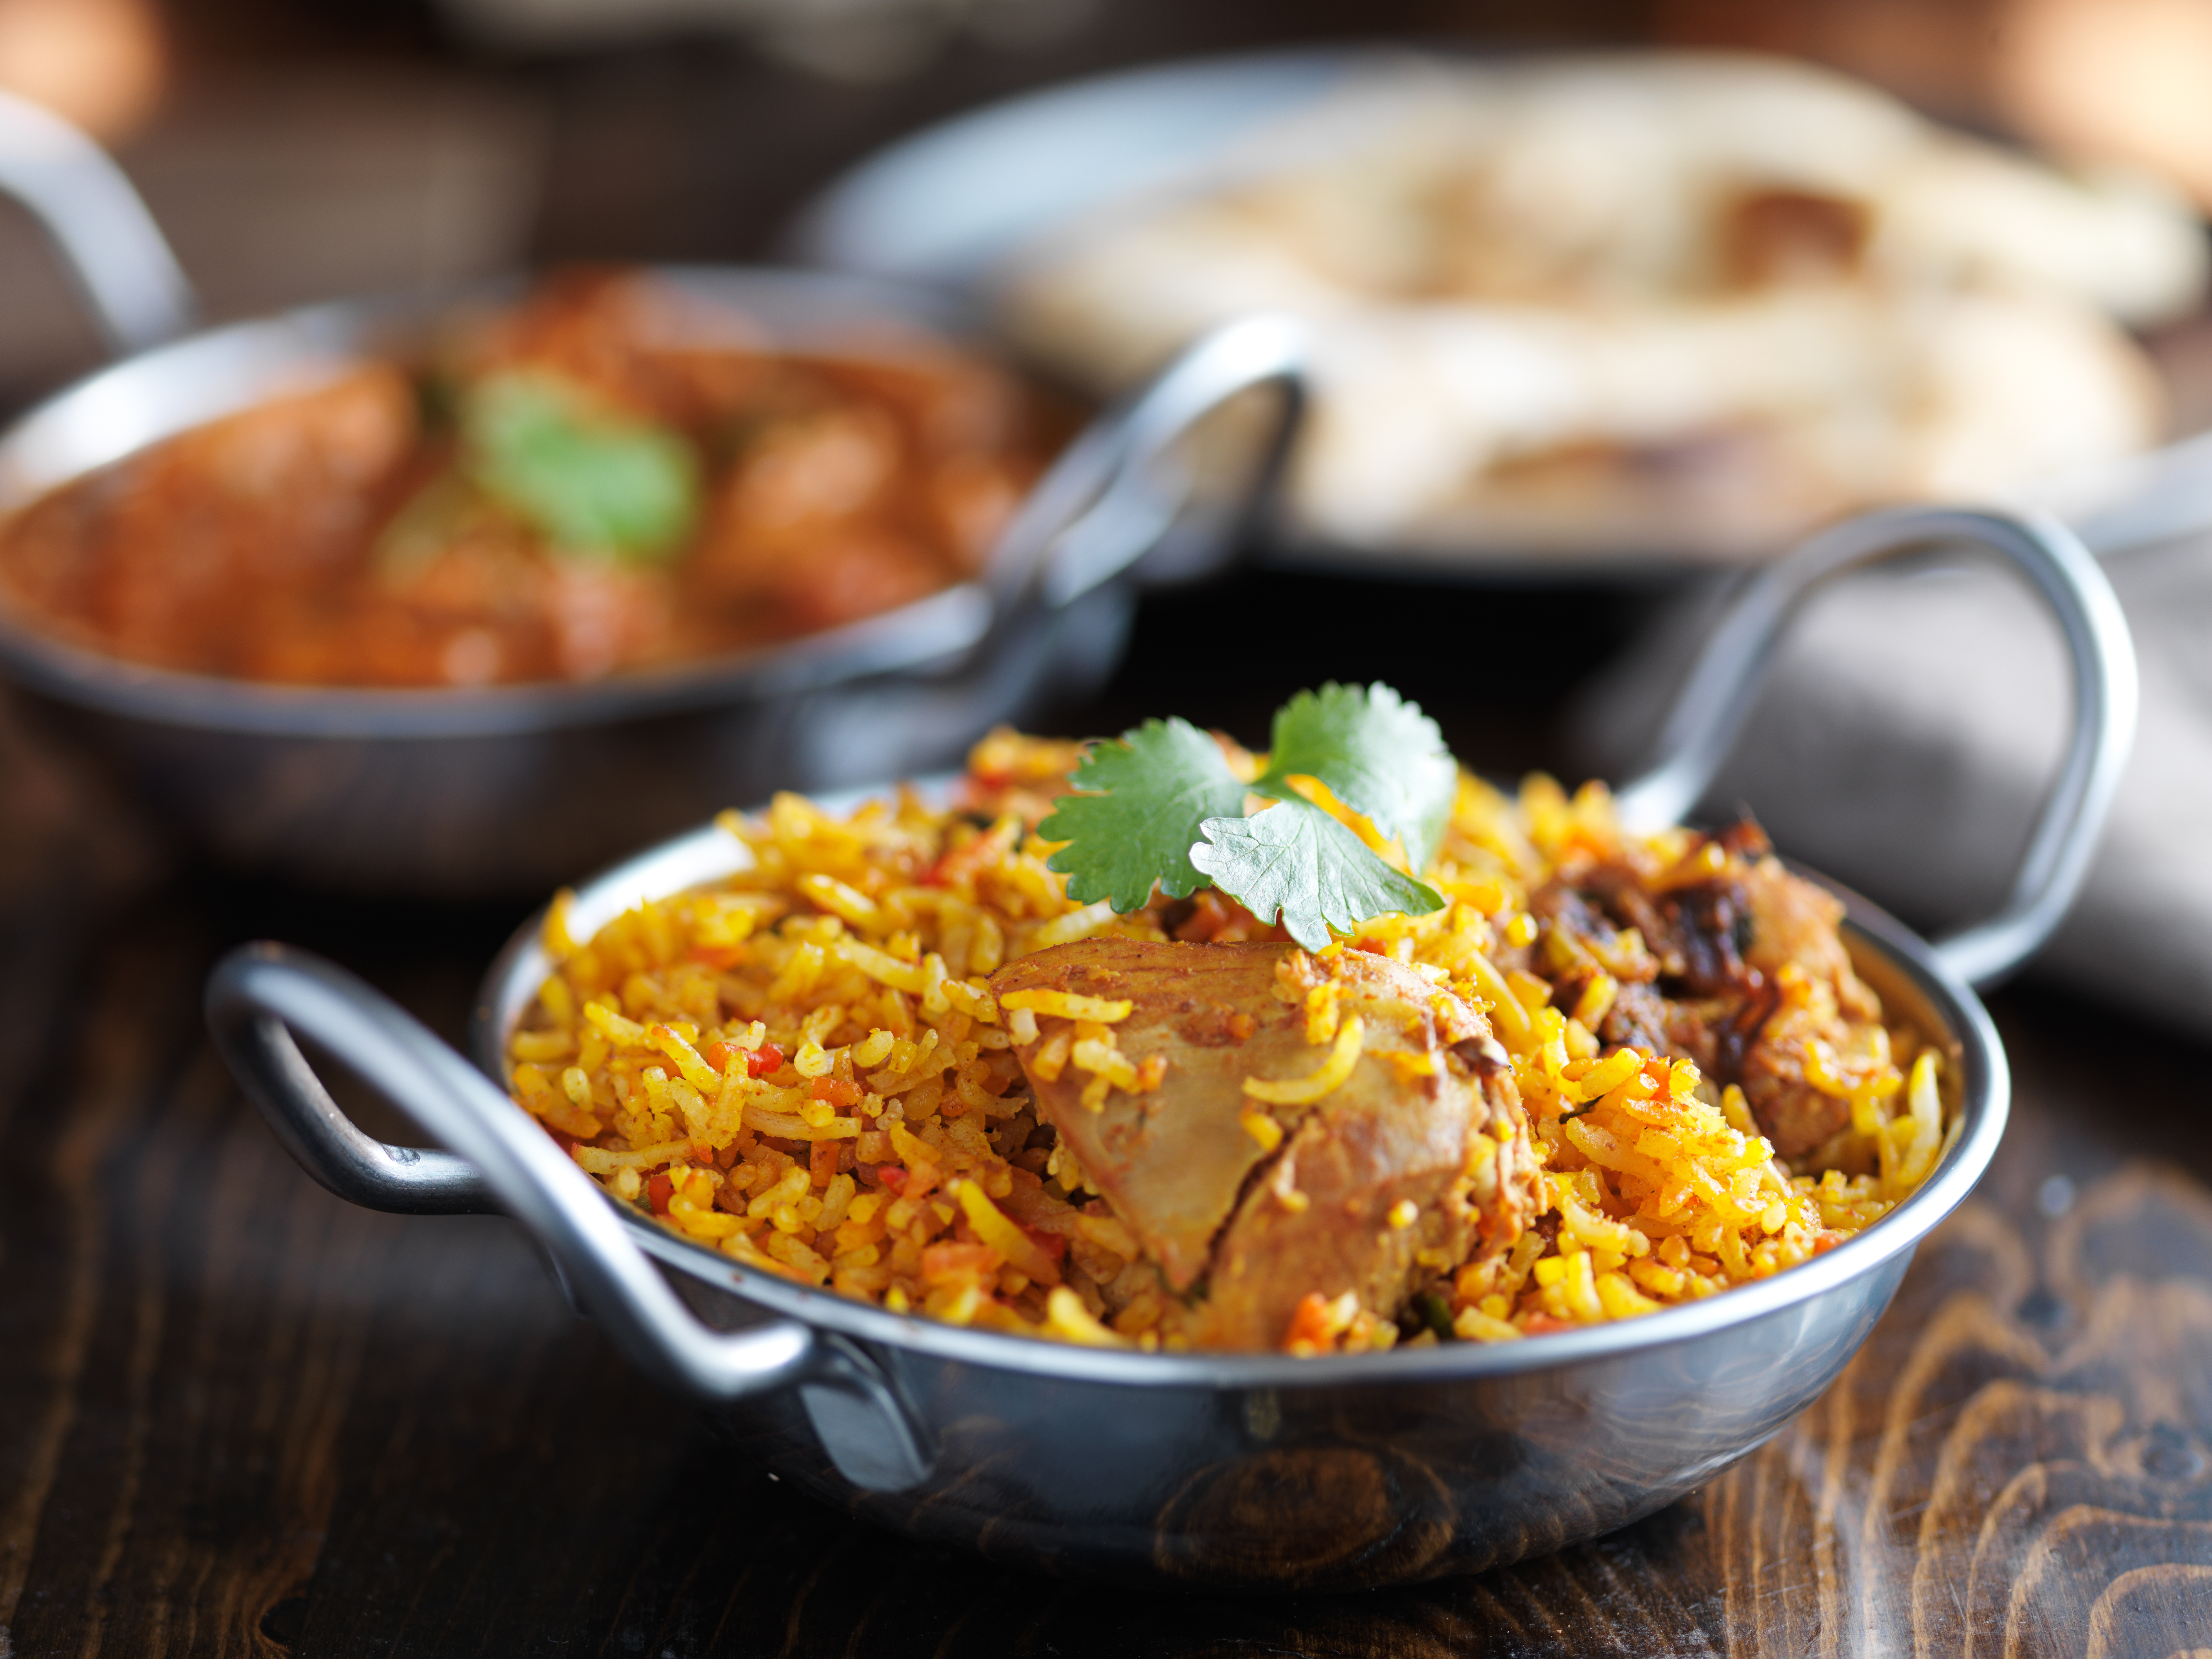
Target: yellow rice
x=887 y=1149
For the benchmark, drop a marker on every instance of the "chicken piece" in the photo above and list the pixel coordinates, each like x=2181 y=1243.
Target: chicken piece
x=1736 y=936
x=1327 y=1215
x=1794 y=921
x=1171 y=1170
x=1712 y=991
x=1419 y=1158
x=1582 y=942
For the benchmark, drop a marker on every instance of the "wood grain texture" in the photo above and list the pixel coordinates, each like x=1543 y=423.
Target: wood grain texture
x=239 y=1417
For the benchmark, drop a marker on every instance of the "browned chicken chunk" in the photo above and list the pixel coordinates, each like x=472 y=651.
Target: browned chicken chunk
x=1737 y=972
x=1416 y=1160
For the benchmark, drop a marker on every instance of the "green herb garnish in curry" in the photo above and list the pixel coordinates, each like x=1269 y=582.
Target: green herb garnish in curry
x=614 y=474
x=588 y=479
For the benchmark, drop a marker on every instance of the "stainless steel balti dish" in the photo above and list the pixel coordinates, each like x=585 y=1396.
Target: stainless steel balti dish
x=1241 y=1470
x=513 y=788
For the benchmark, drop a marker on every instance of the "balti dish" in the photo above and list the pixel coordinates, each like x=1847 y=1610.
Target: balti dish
x=1615 y=1072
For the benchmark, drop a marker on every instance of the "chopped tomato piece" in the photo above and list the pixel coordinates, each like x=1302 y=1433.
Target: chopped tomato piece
x=891 y=1178
x=763 y=1059
x=658 y=1191
x=717 y=1054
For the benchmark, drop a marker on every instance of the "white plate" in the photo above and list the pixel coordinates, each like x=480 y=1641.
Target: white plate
x=946 y=205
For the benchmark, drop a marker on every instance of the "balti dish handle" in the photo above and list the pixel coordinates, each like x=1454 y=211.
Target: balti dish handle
x=1710 y=709
x=131 y=281
x=259 y=994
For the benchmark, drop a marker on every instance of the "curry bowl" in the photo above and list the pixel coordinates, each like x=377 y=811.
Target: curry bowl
x=1247 y=1470
x=509 y=788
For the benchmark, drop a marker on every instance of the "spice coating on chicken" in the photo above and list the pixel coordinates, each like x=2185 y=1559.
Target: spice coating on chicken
x=1738 y=970
x=1419 y=1158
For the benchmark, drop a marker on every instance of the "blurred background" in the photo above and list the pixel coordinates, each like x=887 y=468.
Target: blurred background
x=293 y=152
x=296 y=150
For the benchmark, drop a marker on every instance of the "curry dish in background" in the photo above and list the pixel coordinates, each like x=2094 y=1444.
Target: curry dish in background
x=613 y=475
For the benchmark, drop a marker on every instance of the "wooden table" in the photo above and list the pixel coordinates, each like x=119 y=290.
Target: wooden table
x=238 y=1416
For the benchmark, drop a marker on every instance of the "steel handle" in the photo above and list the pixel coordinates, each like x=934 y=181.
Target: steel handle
x=260 y=994
x=132 y=283
x=1710 y=711
x=1099 y=507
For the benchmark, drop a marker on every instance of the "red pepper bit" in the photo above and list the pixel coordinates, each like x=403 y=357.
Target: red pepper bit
x=891 y=1178
x=658 y=1191
x=1308 y=1322
x=837 y=1090
x=963 y=861
x=763 y=1059
x=717 y=1055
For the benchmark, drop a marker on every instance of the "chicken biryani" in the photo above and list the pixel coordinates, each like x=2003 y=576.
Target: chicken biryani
x=897 y=1057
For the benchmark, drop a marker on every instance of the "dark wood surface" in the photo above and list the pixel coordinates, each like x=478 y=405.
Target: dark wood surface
x=238 y=1416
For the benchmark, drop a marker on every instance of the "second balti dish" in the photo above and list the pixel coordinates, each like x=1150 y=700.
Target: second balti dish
x=1394 y=1057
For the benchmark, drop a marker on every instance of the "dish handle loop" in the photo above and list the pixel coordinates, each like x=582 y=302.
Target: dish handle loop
x=1710 y=711
x=260 y=994
x=137 y=291
x=1102 y=506
x=1109 y=500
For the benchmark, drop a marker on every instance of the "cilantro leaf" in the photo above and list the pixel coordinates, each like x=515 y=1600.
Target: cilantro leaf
x=1162 y=806
x=1379 y=754
x=588 y=479
x=1295 y=860
x=1137 y=823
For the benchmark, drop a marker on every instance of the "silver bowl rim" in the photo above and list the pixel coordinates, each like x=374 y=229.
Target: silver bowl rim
x=294 y=348
x=702 y=855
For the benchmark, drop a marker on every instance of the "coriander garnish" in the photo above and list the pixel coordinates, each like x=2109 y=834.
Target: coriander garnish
x=589 y=479
x=1161 y=806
